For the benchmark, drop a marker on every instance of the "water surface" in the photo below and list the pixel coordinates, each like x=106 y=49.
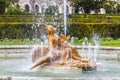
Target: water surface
x=20 y=67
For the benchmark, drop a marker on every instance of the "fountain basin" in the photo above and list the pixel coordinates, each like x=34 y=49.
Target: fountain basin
x=64 y=70
x=18 y=68
x=107 y=53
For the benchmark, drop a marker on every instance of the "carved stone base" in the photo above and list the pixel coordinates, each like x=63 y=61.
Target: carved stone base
x=65 y=70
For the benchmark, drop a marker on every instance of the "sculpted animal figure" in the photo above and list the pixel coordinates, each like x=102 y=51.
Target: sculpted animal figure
x=70 y=52
x=63 y=41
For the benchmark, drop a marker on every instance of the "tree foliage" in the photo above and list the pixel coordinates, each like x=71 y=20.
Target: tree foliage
x=111 y=6
x=8 y=2
x=88 y=4
x=5 y=3
x=2 y=6
x=14 y=9
x=118 y=8
x=51 y=10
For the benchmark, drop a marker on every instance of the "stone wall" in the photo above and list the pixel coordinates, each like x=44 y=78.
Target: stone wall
x=109 y=53
x=15 y=50
x=24 y=50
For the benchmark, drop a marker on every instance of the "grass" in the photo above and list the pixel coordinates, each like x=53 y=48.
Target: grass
x=6 y=41
x=110 y=42
x=101 y=41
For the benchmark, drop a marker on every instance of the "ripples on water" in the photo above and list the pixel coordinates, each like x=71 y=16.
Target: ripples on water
x=21 y=66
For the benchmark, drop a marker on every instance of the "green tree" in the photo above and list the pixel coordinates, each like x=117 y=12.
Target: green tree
x=118 y=8
x=8 y=2
x=2 y=6
x=51 y=10
x=87 y=4
x=14 y=9
x=110 y=6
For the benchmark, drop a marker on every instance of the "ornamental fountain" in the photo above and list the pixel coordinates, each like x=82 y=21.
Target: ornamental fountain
x=58 y=56
x=58 y=53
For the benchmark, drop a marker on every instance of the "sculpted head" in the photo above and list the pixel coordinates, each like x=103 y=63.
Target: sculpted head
x=50 y=29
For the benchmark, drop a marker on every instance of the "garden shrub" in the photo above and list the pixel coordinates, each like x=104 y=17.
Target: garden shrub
x=77 y=26
x=6 y=40
x=104 y=30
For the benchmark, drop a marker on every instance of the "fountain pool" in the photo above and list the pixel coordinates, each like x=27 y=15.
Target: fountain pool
x=12 y=67
x=20 y=67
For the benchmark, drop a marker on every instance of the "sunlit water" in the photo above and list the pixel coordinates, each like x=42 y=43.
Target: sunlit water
x=20 y=67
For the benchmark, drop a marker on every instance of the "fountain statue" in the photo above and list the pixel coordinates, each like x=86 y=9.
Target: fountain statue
x=58 y=52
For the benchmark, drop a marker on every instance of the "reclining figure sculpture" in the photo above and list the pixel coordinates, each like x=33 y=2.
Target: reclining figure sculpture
x=58 y=53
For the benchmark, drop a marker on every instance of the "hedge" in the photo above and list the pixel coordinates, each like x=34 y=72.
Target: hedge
x=32 y=26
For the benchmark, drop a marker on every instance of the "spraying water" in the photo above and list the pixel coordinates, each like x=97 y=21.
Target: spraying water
x=65 y=17
x=89 y=50
x=50 y=52
x=96 y=48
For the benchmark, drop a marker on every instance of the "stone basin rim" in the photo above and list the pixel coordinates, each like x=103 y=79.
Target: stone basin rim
x=32 y=46
x=58 y=78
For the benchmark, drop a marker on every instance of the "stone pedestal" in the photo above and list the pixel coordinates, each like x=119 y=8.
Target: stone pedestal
x=64 y=70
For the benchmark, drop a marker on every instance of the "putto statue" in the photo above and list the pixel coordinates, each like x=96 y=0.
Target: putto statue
x=58 y=53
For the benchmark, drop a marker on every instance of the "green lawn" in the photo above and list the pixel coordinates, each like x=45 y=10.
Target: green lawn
x=6 y=41
x=102 y=42
x=110 y=42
